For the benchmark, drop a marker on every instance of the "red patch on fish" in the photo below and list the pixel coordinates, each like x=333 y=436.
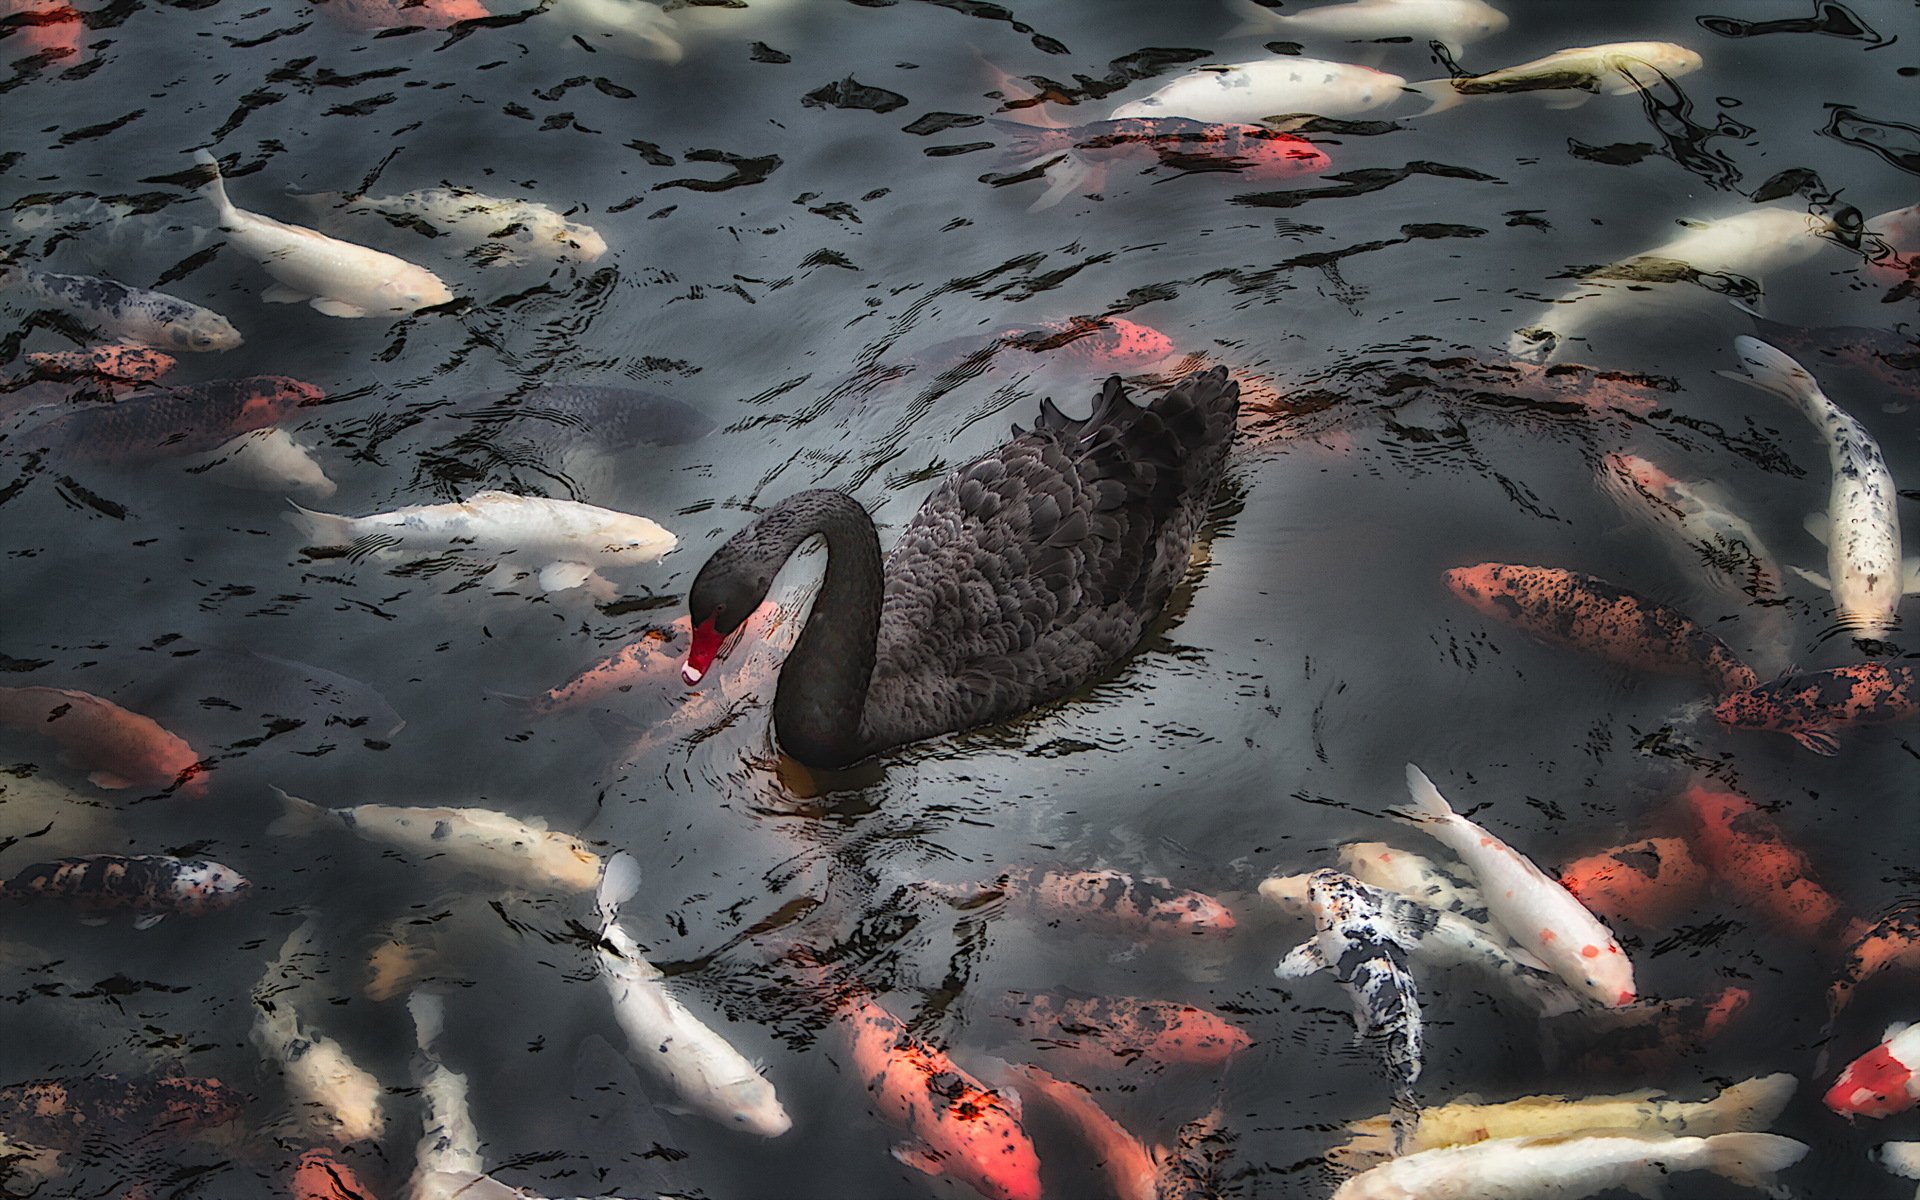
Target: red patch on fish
x=1647 y=883
x=322 y=1175
x=369 y=16
x=1748 y=852
x=1874 y=1085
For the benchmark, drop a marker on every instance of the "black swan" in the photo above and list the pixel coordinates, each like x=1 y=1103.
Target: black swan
x=1024 y=575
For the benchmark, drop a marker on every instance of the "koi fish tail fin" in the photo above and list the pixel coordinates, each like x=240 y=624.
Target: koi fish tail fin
x=320 y=529
x=298 y=816
x=619 y=880
x=215 y=189
x=1440 y=95
x=1254 y=18
x=1754 y=1104
x=1753 y=1159
x=1770 y=370
x=1428 y=804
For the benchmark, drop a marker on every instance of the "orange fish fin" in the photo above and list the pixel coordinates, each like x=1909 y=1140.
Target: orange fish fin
x=918 y=1157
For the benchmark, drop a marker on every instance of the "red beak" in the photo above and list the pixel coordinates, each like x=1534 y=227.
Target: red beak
x=706 y=644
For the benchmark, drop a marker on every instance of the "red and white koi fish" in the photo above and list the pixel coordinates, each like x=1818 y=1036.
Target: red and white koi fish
x=154 y=886
x=1112 y=900
x=1749 y=853
x=1078 y=157
x=1648 y=883
x=1542 y=916
x=1883 y=1081
x=1566 y=608
x=1100 y=1033
x=118 y=748
x=1809 y=707
x=1130 y=1170
x=49 y=31
x=954 y=1124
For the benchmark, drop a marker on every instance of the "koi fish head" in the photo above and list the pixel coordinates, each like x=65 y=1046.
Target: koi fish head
x=582 y=243
x=1874 y=1085
x=412 y=289
x=1493 y=589
x=1608 y=974
x=204 y=886
x=1108 y=343
x=753 y=1108
x=204 y=332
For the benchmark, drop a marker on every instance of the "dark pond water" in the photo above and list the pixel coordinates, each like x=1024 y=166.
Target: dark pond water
x=815 y=223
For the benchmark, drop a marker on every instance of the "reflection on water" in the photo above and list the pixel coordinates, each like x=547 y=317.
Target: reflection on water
x=706 y=255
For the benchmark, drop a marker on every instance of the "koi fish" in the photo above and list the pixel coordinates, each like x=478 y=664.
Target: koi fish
x=1648 y=883
x=1104 y=1032
x=337 y=278
x=652 y=656
x=1861 y=527
x=1892 y=941
x=447 y=1163
x=1575 y=75
x=1582 y=612
x=116 y=312
x=1810 y=706
x=1572 y=1167
x=77 y=1113
x=508 y=230
x=1131 y=1172
x=1190 y=1167
x=1721 y=539
x=1455 y=22
x=1883 y=1081
x=691 y=1059
x=1097 y=345
x=1651 y=1037
x=575 y=537
x=1749 y=1106
x=1542 y=917
x=1078 y=157
x=1899 y=1158
x=1413 y=876
x=50 y=30
x=175 y=421
x=117 y=366
x=1749 y=854
x=954 y=1124
x=1891 y=360
x=155 y=886
x=367 y=16
x=1442 y=938
x=1364 y=940
x=1257 y=91
x=522 y=853
x=323 y=1175
x=1111 y=900
x=642 y=31
x=118 y=748
x=334 y=1097
x=266 y=460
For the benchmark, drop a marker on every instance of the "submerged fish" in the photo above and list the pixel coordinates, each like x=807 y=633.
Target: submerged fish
x=1413 y=876
x=174 y=421
x=266 y=460
x=324 y=1175
x=1749 y=853
x=87 y=1112
x=1255 y=92
x=230 y=694
x=337 y=278
x=155 y=886
x=1110 y=899
x=1720 y=539
x=1130 y=1170
x=1583 y=612
x=515 y=229
x=1364 y=939
x=369 y=15
x=117 y=365
x=952 y=1123
x=523 y=853
x=1810 y=707
x=1652 y=1036
x=1541 y=916
x=333 y=1096
x=447 y=1163
x=577 y=415
x=1575 y=74
x=118 y=748
x=117 y=312
x=50 y=30
x=1455 y=22
x=1573 y=1167
x=571 y=538
x=630 y=28
x=1883 y=1081
x=1892 y=941
x=1100 y=1033
x=1890 y=359
x=1861 y=527
x=698 y=1065
x=1750 y=1106
x=1078 y=157
x=1647 y=883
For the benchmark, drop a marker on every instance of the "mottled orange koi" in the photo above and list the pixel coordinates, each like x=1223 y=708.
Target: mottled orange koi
x=119 y=748
x=1808 y=706
x=1750 y=855
x=1648 y=883
x=1106 y=1032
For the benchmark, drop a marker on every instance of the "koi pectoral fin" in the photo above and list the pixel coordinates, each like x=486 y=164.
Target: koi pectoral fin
x=1910 y=576
x=1813 y=577
x=1300 y=962
x=1817 y=524
x=917 y=1156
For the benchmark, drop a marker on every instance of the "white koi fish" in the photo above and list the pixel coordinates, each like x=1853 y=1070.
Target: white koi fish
x=335 y=1097
x=1749 y=1106
x=1573 y=76
x=337 y=278
x=1415 y=877
x=1365 y=939
x=1455 y=22
x=1699 y=513
x=1861 y=527
x=1248 y=93
x=265 y=460
x=1569 y=1168
x=630 y=28
x=121 y=313
x=1900 y=1158
x=1542 y=917
x=519 y=228
x=522 y=853
x=575 y=537
x=701 y=1067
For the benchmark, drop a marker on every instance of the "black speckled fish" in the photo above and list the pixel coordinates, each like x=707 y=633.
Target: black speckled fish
x=155 y=886
x=121 y=313
x=1364 y=937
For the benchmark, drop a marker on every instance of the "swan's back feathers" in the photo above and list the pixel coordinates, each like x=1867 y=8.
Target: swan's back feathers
x=1029 y=572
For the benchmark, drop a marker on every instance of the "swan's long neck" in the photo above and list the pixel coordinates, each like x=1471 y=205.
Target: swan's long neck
x=819 y=708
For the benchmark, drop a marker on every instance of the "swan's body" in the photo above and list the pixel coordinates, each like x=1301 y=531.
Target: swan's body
x=1023 y=576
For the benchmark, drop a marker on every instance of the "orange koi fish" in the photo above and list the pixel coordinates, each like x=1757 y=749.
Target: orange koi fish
x=1104 y=1032
x=1110 y=900
x=173 y=421
x=118 y=748
x=369 y=16
x=71 y=1113
x=1130 y=1170
x=1566 y=608
x=117 y=366
x=1807 y=707
x=1892 y=941
x=1648 y=883
x=1651 y=1037
x=1747 y=851
x=954 y=1124
x=655 y=656
x=1572 y=386
x=49 y=29
x=321 y=1175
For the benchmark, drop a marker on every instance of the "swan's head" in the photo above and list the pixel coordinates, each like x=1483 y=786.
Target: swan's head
x=725 y=593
